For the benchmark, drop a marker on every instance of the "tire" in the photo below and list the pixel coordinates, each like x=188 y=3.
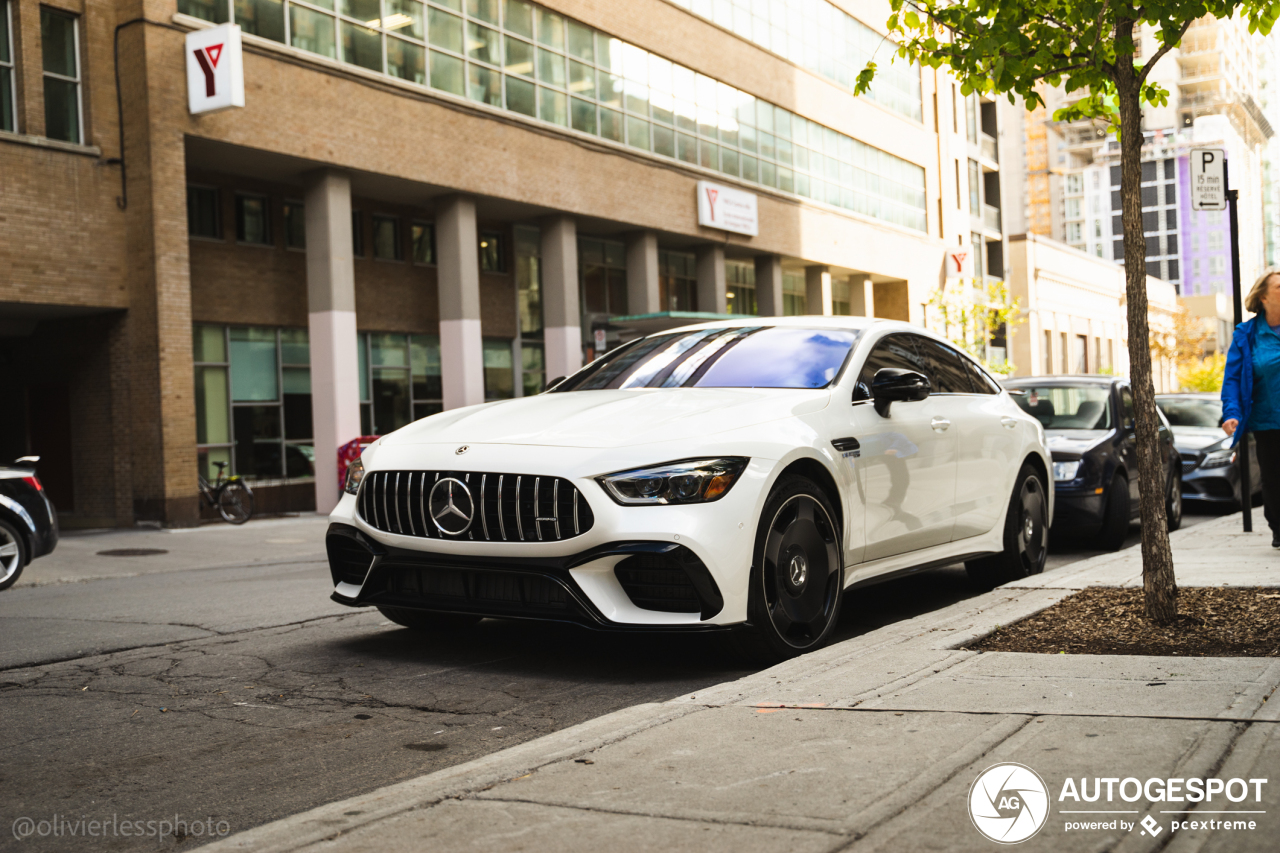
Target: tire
x=235 y=502
x=1115 y=516
x=1173 y=499
x=13 y=555
x=797 y=575
x=426 y=622
x=1026 y=536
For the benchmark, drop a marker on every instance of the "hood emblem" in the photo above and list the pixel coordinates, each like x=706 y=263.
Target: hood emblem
x=463 y=449
x=451 y=506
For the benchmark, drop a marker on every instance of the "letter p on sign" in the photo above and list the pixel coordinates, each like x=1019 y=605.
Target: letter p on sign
x=215 y=69
x=1208 y=179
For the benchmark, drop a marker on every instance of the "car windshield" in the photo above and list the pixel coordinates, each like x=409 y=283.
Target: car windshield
x=1067 y=407
x=1204 y=412
x=742 y=357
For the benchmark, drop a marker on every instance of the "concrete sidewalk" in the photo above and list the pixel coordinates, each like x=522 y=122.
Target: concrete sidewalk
x=872 y=744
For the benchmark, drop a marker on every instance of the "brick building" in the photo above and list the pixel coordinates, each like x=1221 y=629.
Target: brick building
x=423 y=205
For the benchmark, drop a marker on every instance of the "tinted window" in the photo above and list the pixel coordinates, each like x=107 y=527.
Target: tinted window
x=946 y=368
x=751 y=357
x=1126 y=400
x=1067 y=407
x=894 y=351
x=1192 y=413
x=981 y=380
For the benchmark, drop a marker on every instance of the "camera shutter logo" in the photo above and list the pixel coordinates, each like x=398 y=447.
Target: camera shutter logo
x=1008 y=803
x=451 y=506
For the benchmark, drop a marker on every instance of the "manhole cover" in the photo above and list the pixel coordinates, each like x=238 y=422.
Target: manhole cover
x=132 y=552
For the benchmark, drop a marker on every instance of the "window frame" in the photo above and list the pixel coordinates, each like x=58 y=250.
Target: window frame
x=285 y=207
x=217 y=214
x=12 y=65
x=78 y=80
x=397 y=238
x=269 y=241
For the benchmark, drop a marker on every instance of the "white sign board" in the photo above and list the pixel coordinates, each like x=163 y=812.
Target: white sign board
x=215 y=69
x=1208 y=179
x=959 y=262
x=727 y=209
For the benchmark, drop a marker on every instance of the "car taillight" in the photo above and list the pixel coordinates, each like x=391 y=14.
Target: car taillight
x=33 y=482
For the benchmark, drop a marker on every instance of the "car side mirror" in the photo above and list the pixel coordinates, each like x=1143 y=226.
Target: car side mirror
x=895 y=385
x=26 y=460
x=554 y=382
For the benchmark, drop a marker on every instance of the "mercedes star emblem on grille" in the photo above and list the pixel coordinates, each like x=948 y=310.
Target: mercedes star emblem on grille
x=463 y=449
x=452 y=507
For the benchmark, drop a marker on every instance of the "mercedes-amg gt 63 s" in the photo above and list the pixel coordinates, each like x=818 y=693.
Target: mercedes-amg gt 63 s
x=741 y=475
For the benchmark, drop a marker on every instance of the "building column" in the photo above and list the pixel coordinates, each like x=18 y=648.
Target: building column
x=817 y=290
x=862 y=296
x=458 y=265
x=711 y=283
x=331 y=321
x=561 y=311
x=642 y=273
x=157 y=273
x=769 y=286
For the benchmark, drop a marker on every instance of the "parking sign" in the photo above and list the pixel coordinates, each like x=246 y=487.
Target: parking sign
x=1208 y=179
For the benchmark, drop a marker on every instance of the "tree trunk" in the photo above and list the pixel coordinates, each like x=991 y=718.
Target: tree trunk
x=1158 y=583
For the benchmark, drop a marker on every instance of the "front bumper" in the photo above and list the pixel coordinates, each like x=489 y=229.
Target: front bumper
x=661 y=576
x=1213 y=485
x=1078 y=506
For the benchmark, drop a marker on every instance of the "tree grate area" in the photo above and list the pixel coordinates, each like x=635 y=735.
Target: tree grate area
x=1211 y=622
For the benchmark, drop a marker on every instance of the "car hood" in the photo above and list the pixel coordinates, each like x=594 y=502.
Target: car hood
x=1074 y=440
x=611 y=418
x=1192 y=439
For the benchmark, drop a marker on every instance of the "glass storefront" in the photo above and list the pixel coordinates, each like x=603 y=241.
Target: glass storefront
x=253 y=402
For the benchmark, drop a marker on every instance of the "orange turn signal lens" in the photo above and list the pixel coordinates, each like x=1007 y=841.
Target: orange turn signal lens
x=718 y=486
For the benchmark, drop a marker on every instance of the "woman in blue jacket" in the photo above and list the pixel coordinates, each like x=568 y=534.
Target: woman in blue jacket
x=1251 y=389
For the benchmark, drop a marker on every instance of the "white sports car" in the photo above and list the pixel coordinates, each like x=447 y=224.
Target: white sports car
x=742 y=474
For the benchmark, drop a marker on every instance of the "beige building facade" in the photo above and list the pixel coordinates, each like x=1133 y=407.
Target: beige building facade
x=1074 y=319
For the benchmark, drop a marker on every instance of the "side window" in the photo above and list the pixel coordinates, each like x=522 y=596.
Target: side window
x=946 y=372
x=894 y=351
x=1126 y=400
x=981 y=380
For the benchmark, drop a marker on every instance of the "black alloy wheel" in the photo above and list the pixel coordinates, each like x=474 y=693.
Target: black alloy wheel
x=1173 y=498
x=1026 y=536
x=1115 y=515
x=797 y=578
x=13 y=554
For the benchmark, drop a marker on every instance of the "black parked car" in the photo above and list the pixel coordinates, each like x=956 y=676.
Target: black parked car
x=1210 y=469
x=28 y=523
x=1088 y=422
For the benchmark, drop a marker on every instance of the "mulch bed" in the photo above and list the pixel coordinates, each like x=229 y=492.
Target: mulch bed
x=1212 y=622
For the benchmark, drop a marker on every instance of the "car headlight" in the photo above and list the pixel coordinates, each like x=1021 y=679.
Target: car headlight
x=1219 y=458
x=685 y=482
x=1063 y=471
x=355 y=473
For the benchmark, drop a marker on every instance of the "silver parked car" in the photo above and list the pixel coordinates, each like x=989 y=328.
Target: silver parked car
x=1210 y=466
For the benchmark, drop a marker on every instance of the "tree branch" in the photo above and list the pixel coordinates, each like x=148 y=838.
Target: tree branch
x=1168 y=46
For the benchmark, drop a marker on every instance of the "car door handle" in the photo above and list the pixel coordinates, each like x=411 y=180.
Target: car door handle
x=940 y=424
x=1009 y=423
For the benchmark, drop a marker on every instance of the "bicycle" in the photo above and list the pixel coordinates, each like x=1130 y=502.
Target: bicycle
x=231 y=496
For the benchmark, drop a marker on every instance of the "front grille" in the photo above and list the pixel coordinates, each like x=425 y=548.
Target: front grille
x=1189 y=462
x=507 y=507
x=485 y=590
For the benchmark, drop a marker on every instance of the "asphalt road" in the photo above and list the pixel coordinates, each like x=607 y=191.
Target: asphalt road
x=217 y=682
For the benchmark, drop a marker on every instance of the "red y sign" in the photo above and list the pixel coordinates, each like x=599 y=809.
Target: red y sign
x=711 y=200
x=959 y=258
x=208 y=58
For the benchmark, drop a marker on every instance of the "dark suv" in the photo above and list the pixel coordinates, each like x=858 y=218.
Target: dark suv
x=28 y=523
x=1088 y=424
